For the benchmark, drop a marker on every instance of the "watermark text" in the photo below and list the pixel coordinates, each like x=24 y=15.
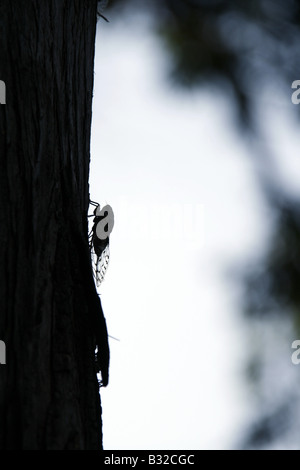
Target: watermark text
x=2 y=353
x=2 y=92
x=296 y=94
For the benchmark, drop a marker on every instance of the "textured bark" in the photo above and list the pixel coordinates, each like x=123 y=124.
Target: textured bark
x=50 y=314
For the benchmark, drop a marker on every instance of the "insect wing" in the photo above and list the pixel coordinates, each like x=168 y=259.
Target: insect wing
x=102 y=265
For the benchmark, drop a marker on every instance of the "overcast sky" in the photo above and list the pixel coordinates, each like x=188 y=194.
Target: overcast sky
x=187 y=207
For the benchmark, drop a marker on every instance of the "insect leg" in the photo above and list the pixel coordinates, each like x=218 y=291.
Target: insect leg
x=93 y=203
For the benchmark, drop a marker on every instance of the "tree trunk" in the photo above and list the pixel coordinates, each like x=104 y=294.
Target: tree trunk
x=51 y=318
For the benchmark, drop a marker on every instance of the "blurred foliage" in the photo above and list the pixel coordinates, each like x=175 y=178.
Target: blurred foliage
x=243 y=47
x=270 y=427
x=273 y=285
x=236 y=44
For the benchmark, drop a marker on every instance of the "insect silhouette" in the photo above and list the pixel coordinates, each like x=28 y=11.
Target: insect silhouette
x=103 y=223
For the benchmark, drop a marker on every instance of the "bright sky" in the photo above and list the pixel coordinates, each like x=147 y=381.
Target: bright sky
x=186 y=207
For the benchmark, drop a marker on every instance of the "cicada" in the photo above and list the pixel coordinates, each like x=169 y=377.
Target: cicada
x=103 y=223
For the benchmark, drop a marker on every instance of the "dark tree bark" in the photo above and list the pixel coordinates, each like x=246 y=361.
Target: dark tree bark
x=51 y=317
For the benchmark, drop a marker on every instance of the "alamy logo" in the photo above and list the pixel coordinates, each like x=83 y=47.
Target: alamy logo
x=2 y=92
x=296 y=94
x=2 y=353
x=296 y=354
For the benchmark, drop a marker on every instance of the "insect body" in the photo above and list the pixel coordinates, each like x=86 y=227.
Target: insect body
x=103 y=223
